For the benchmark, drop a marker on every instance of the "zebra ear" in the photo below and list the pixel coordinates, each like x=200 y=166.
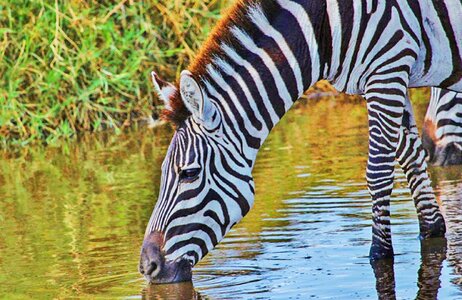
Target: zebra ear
x=194 y=98
x=164 y=90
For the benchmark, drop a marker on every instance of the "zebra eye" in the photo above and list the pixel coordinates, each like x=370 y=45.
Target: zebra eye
x=189 y=174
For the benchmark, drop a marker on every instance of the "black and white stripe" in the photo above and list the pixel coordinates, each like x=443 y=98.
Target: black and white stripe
x=258 y=61
x=442 y=131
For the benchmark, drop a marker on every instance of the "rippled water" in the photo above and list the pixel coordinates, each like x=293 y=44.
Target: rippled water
x=72 y=219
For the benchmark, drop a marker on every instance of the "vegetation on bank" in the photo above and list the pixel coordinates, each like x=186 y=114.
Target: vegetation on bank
x=74 y=66
x=83 y=66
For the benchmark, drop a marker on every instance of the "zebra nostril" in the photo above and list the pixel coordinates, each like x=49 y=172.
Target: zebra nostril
x=152 y=267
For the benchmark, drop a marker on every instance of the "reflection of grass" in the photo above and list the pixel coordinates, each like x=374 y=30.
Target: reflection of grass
x=83 y=66
x=420 y=96
x=76 y=217
x=312 y=145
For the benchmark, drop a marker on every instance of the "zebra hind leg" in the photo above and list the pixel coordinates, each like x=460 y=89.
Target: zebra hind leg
x=411 y=157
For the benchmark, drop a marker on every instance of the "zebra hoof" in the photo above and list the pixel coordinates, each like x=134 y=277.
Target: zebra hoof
x=378 y=252
x=434 y=245
x=435 y=230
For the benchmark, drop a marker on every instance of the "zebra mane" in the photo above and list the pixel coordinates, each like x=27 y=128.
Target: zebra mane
x=236 y=16
x=176 y=112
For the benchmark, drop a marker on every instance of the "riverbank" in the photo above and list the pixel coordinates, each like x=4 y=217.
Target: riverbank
x=83 y=67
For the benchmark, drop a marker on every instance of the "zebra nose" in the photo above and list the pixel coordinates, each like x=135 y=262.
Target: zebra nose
x=155 y=268
x=151 y=259
x=150 y=262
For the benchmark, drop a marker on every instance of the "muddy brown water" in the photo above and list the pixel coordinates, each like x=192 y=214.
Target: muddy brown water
x=72 y=218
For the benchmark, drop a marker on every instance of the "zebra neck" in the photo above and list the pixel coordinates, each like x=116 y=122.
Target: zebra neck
x=262 y=66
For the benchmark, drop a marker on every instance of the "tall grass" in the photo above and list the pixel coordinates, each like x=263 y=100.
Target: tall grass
x=82 y=65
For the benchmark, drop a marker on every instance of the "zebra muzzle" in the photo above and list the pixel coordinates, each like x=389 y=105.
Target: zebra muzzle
x=155 y=268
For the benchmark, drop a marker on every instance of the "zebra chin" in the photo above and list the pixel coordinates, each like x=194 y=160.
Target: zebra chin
x=171 y=273
x=448 y=155
x=156 y=269
x=442 y=155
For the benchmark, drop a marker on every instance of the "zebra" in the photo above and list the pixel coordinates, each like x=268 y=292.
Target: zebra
x=433 y=252
x=442 y=130
x=256 y=63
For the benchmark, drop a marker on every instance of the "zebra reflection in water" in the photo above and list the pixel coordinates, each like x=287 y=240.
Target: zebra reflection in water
x=433 y=252
x=183 y=290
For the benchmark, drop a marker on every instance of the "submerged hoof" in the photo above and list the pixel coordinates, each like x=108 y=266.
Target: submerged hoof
x=435 y=230
x=378 y=252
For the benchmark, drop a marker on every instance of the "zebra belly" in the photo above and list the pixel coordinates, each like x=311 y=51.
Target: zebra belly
x=434 y=80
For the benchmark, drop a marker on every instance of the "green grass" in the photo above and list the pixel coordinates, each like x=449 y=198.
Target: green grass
x=68 y=67
x=83 y=66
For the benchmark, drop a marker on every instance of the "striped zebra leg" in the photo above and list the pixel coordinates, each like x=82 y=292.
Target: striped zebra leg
x=411 y=157
x=385 y=95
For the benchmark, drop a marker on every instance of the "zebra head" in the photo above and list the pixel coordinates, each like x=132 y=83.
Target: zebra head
x=442 y=130
x=206 y=186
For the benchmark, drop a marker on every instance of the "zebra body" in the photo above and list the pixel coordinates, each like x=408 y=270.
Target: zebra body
x=259 y=60
x=415 y=23
x=442 y=131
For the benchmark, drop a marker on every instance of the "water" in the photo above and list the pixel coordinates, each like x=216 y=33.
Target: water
x=72 y=219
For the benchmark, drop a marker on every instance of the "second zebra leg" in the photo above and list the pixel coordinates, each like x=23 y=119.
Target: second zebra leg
x=411 y=156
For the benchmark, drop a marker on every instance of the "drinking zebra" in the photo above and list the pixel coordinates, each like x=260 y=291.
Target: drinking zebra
x=259 y=59
x=442 y=131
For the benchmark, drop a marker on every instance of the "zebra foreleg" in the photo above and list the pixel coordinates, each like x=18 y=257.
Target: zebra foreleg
x=385 y=97
x=411 y=157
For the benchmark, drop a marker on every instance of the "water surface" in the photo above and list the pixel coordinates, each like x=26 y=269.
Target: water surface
x=72 y=219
